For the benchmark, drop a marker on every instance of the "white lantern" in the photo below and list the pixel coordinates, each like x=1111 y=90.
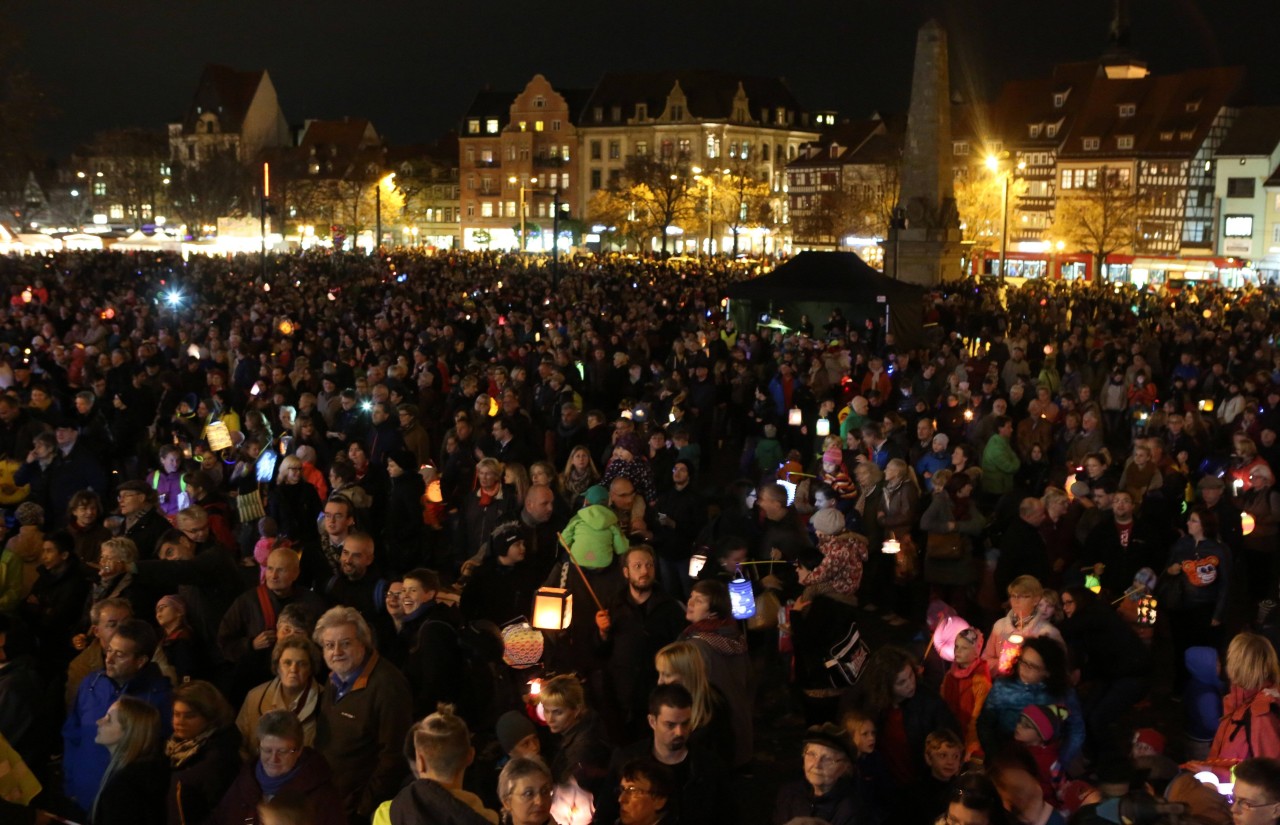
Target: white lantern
x=552 y=608
x=696 y=563
x=891 y=546
x=795 y=418
x=823 y=427
x=571 y=805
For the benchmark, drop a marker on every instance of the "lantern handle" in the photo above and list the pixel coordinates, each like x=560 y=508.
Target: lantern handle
x=594 y=598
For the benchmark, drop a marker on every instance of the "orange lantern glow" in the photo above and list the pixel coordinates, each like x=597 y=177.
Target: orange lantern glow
x=552 y=608
x=1247 y=523
x=1009 y=652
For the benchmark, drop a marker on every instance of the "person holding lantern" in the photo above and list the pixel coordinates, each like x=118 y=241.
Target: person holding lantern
x=1039 y=677
x=1261 y=502
x=966 y=685
x=580 y=751
x=1024 y=621
x=1198 y=573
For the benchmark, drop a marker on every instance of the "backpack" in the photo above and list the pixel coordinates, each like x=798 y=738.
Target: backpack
x=1252 y=729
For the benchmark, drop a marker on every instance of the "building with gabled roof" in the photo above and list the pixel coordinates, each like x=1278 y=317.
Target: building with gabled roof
x=1247 y=188
x=231 y=110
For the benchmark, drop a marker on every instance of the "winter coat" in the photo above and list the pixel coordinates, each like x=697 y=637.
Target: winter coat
x=1029 y=628
x=266 y=697
x=85 y=761
x=842 y=558
x=724 y=651
x=312 y=780
x=199 y=783
x=594 y=538
x=1202 y=697
x=582 y=753
x=1003 y=708
x=999 y=463
x=134 y=795
x=1250 y=725
x=841 y=806
x=426 y=801
x=965 y=692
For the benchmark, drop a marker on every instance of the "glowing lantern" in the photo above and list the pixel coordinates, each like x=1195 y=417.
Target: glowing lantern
x=1071 y=481
x=109 y=313
x=1206 y=405
x=535 y=687
x=1048 y=348
x=1009 y=652
x=1091 y=582
x=493 y=406
x=891 y=546
x=552 y=608
x=434 y=495
x=1147 y=610
x=266 y=287
x=1208 y=313
x=1247 y=523
x=218 y=436
x=1237 y=486
x=794 y=417
x=968 y=415
x=742 y=598
x=521 y=645
x=571 y=805
x=696 y=563
x=823 y=428
x=286 y=327
x=944 y=636
x=26 y=295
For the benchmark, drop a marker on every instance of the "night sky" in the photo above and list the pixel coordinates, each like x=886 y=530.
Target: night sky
x=412 y=66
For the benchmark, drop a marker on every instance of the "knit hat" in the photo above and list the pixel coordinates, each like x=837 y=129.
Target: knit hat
x=597 y=495
x=1046 y=719
x=832 y=455
x=404 y=459
x=828 y=521
x=503 y=538
x=1211 y=482
x=631 y=443
x=1150 y=737
x=29 y=514
x=511 y=728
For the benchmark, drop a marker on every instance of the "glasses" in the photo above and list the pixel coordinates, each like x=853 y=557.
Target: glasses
x=530 y=794
x=822 y=760
x=633 y=790
x=275 y=753
x=1246 y=806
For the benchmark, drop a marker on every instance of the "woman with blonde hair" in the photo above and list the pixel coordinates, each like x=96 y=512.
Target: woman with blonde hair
x=544 y=473
x=580 y=472
x=712 y=722
x=136 y=781
x=517 y=476
x=1250 y=723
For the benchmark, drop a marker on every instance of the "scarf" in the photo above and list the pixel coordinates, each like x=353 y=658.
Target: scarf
x=111 y=589
x=181 y=750
x=272 y=785
x=577 y=481
x=965 y=672
x=486 y=497
x=712 y=632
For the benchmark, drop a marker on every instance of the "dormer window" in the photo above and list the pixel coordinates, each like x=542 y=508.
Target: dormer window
x=1060 y=99
x=1033 y=130
x=1193 y=105
x=491 y=126
x=1051 y=130
x=642 y=111
x=1124 y=141
x=782 y=116
x=1091 y=144
x=677 y=111
x=835 y=150
x=959 y=147
x=1167 y=135
x=473 y=127
x=615 y=114
x=1186 y=134
x=597 y=114
x=1128 y=109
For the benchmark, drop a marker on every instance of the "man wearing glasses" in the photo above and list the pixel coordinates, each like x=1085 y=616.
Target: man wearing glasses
x=827 y=790
x=1256 y=796
x=127 y=670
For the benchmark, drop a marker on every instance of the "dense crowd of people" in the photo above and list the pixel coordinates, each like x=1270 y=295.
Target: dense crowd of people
x=455 y=538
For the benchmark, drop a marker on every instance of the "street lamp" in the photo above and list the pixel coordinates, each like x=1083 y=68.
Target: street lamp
x=377 y=197
x=711 y=183
x=532 y=182
x=993 y=163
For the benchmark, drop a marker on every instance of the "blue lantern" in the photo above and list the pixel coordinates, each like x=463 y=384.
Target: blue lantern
x=742 y=598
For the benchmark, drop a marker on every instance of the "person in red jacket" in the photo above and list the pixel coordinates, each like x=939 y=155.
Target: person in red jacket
x=966 y=684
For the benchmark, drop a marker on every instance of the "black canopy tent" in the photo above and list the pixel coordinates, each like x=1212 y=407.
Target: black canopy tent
x=815 y=283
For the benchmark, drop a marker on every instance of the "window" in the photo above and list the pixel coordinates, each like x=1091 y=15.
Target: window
x=511 y=209
x=1090 y=144
x=781 y=116
x=1051 y=130
x=486 y=155
x=1091 y=179
x=537 y=126
x=1238 y=226
x=1275 y=233
x=491 y=126
x=99 y=188
x=615 y=114
x=471 y=209
x=642 y=148
x=642 y=111
x=685 y=147
x=597 y=114
x=959 y=147
x=1124 y=141
x=542 y=210
x=116 y=212
x=539 y=102
x=733 y=149
x=1240 y=187
x=1128 y=109
x=1059 y=99
x=564 y=180
x=615 y=149
x=596 y=150
x=473 y=126
x=1033 y=130
x=471 y=182
x=1186 y=134
x=713 y=147
x=524 y=125
x=595 y=178
x=1166 y=135
x=1193 y=106
x=677 y=111
x=668 y=149
x=764 y=152
x=555 y=125
x=746 y=149
x=486 y=209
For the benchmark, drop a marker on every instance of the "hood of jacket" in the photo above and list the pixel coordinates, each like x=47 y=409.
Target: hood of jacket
x=597 y=517
x=1202 y=665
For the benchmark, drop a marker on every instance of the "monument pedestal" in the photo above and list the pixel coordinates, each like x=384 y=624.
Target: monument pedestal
x=923 y=256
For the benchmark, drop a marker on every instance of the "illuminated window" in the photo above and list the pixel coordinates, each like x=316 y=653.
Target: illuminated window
x=486 y=209
x=959 y=147
x=615 y=149
x=539 y=102
x=642 y=111
x=99 y=188
x=473 y=126
x=537 y=126
x=491 y=126
x=116 y=212
x=564 y=180
x=471 y=209
x=642 y=148
x=1238 y=226
x=1193 y=105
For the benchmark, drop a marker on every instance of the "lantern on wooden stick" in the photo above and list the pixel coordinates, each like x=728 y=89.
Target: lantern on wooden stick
x=742 y=598
x=944 y=636
x=823 y=427
x=521 y=645
x=696 y=563
x=1147 y=606
x=552 y=608
x=1247 y=523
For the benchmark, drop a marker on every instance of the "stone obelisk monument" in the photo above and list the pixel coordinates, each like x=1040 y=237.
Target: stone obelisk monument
x=924 y=243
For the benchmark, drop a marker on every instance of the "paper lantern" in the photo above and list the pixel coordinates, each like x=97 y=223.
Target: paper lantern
x=1237 y=486
x=823 y=427
x=696 y=563
x=968 y=415
x=795 y=417
x=1009 y=652
x=521 y=645
x=1092 y=583
x=535 y=687
x=286 y=327
x=742 y=598
x=891 y=546
x=493 y=407
x=1247 y=523
x=434 y=494
x=218 y=436
x=1070 y=482
x=552 y=608
x=944 y=636
x=571 y=805
x=1147 y=610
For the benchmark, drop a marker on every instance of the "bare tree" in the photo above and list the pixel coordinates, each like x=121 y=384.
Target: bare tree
x=1099 y=219
x=218 y=187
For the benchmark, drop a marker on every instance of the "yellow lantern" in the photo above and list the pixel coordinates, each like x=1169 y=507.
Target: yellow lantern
x=795 y=417
x=968 y=415
x=696 y=563
x=552 y=608
x=433 y=492
x=823 y=427
x=1247 y=523
x=286 y=327
x=493 y=406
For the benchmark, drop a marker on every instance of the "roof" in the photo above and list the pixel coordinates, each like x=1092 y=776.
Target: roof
x=490 y=104
x=825 y=276
x=1255 y=132
x=709 y=94
x=226 y=92
x=1274 y=180
x=348 y=133
x=849 y=137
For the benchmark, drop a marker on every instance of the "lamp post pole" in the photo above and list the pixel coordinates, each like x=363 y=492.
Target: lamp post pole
x=377 y=218
x=555 y=236
x=1004 y=229
x=262 y=217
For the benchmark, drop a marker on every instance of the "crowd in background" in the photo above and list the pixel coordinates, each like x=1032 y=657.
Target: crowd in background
x=275 y=534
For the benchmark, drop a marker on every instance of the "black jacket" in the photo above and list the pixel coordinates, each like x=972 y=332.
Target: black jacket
x=134 y=795
x=703 y=795
x=427 y=801
x=198 y=785
x=842 y=806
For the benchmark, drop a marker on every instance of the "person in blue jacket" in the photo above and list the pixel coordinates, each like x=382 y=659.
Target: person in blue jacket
x=1039 y=678
x=128 y=671
x=1202 y=699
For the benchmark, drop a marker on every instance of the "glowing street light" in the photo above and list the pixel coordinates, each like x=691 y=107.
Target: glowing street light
x=513 y=180
x=993 y=164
